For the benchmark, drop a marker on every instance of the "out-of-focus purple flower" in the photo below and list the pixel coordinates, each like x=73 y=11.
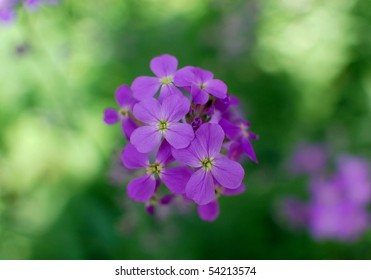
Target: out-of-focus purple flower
x=200 y=83
x=240 y=135
x=354 y=177
x=308 y=159
x=204 y=154
x=164 y=67
x=338 y=203
x=126 y=102
x=209 y=212
x=295 y=211
x=142 y=189
x=7 y=12
x=162 y=121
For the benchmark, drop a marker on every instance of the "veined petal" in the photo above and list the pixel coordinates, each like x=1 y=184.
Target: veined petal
x=128 y=126
x=184 y=77
x=199 y=95
x=217 y=88
x=110 y=116
x=145 y=87
x=176 y=178
x=211 y=137
x=164 y=156
x=209 y=212
x=200 y=187
x=164 y=65
x=248 y=149
x=174 y=107
x=133 y=159
x=228 y=173
x=202 y=76
x=192 y=155
x=124 y=97
x=179 y=135
x=145 y=138
x=148 y=111
x=142 y=189
x=167 y=90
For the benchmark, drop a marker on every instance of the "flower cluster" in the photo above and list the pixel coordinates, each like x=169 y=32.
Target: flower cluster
x=184 y=133
x=339 y=201
x=8 y=7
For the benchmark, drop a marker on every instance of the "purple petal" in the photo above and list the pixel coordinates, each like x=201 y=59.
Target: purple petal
x=235 y=151
x=217 y=88
x=145 y=87
x=142 y=189
x=167 y=199
x=231 y=130
x=148 y=111
x=192 y=155
x=248 y=149
x=128 y=126
x=202 y=76
x=184 y=77
x=200 y=187
x=199 y=95
x=176 y=178
x=164 y=65
x=7 y=15
x=123 y=96
x=110 y=116
x=211 y=137
x=174 y=108
x=209 y=212
x=168 y=90
x=164 y=155
x=179 y=135
x=227 y=172
x=145 y=138
x=231 y=192
x=133 y=159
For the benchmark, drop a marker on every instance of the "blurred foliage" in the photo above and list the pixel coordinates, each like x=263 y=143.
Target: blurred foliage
x=301 y=67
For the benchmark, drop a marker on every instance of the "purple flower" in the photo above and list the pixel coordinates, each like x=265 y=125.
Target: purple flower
x=162 y=121
x=200 y=83
x=209 y=212
x=354 y=177
x=241 y=137
x=212 y=168
x=164 y=67
x=126 y=102
x=308 y=159
x=143 y=188
x=7 y=13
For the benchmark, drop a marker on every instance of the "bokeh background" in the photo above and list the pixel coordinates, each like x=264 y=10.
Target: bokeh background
x=301 y=67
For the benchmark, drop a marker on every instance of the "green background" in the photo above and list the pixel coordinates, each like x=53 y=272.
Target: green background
x=303 y=72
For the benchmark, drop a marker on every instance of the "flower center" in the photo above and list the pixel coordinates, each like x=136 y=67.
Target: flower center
x=162 y=125
x=124 y=112
x=167 y=80
x=207 y=163
x=154 y=168
x=202 y=86
x=245 y=130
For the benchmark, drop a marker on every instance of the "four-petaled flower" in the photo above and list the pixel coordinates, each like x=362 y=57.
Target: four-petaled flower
x=212 y=168
x=200 y=83
x=162 y=121
x=143 y=188
x=164 y=67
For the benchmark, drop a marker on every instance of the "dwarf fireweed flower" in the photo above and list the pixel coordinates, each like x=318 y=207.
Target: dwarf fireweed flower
x=338 y=200
x=181 y=126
